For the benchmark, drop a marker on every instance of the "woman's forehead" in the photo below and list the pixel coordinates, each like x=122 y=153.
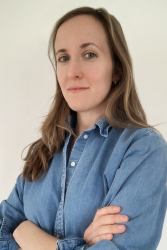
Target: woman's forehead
x=80 y=28
x=84 y=21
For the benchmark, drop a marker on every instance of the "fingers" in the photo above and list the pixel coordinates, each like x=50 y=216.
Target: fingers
x=109 y=229
x=111 y=219
x=96 y=230
x=107 y=235
x=104 y=224
x=107 y=210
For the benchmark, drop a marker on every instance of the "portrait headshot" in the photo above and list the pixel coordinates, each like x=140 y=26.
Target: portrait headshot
x=83 y=134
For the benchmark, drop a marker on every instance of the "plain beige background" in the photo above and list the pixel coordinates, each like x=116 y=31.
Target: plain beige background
x=27 y=80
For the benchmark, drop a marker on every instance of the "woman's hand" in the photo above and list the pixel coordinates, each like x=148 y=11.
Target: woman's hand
x=103 y=226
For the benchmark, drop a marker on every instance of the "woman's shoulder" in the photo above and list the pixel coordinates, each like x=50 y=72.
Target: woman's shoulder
x=132 y=141
x=144 y=139
x=144 y=134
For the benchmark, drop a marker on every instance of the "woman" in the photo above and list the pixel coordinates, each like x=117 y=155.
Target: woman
x=97 y=176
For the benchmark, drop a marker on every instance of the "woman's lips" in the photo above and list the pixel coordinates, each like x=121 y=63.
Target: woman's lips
x=76 y=90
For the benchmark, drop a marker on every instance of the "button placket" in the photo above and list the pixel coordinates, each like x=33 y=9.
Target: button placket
x=59 y=222
x=75 y=157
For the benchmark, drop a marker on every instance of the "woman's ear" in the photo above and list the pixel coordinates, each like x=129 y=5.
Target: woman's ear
x=117 y=72
x=115 y=77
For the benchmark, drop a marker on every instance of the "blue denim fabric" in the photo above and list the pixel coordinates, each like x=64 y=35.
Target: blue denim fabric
x=107 y=166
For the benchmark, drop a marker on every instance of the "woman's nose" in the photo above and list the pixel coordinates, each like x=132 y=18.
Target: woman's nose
x=74 y=69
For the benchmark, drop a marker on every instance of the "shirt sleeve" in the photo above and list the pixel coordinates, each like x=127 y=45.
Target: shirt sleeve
x=139 y=188
x=11 y=215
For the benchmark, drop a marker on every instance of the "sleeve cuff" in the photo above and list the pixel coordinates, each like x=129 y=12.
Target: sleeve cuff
x=12 y=245
x=70 y=244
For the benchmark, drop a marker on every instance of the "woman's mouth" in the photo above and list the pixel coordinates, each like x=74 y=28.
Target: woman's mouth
x=76 y=90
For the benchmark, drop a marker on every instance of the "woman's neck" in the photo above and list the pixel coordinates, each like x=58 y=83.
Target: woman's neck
x=86 y=121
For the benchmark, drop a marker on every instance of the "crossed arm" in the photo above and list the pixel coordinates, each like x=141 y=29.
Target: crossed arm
x=31 y=237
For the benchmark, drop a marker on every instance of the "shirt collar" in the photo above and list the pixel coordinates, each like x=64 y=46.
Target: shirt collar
x=103 y=125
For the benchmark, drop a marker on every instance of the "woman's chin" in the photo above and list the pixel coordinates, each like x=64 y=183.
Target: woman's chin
x=78 y=109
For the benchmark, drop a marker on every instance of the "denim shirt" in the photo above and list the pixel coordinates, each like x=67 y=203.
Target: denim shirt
x=108 y=166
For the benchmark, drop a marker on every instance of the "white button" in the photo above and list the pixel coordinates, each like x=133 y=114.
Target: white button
x=94 y=126
x=73 y=164
x=85 y=136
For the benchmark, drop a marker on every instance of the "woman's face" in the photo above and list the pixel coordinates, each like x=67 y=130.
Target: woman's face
x=84 y=70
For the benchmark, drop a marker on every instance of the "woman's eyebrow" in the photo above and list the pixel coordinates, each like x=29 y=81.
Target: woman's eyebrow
x=81 y=46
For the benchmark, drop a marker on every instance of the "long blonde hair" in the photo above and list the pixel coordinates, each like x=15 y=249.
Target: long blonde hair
x=123 y=101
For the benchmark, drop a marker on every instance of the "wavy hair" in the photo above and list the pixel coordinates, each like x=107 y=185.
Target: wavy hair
x=122 y=102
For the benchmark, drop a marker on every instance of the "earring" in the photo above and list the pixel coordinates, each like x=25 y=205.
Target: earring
x=115 y=82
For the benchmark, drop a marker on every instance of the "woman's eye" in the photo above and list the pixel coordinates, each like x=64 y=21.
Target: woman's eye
x=60 y=59
x=91 y=55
